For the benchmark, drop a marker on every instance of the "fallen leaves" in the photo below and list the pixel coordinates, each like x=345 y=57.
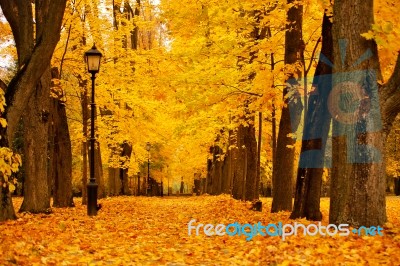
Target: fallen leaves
x=153 y=231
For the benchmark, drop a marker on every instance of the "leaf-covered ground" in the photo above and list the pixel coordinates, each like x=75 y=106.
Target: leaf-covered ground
x=153 y=231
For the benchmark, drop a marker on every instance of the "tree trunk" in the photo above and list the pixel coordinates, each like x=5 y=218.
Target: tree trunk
x=251 y=153
x=33 y=57
x=291 y=114
x=61 y=153
x=135 y=31
x=216 y=170
x=36 y=192
x=34 y=60
x=238 y=163
x=358 y=173
x=315 y=134
x=229 y=164
x=7 y=211
x=225 y=175
x=259 y=142
x=114 y=183
x=220 y=166
x=98 y=164
x=126 y=154
x=85 y=146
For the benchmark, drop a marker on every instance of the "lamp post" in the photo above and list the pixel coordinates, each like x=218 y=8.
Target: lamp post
x=148 y=146
x=92 y=58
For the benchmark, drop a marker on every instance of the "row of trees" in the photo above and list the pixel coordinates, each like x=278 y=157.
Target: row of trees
x=349 y=61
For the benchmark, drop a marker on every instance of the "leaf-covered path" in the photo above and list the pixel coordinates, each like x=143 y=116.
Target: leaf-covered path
x=153 y=231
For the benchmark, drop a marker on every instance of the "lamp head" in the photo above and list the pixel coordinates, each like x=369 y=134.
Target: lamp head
x=148 y=146
x=92 y=59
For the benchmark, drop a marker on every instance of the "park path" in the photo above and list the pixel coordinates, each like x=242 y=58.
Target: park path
x=153 y=231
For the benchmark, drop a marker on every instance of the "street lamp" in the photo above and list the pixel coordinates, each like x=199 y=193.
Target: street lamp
x=148 y=146
x=92 y=59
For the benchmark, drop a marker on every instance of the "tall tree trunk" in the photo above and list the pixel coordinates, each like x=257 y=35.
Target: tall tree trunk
x=315 y=134
x=33 y=57
x=101 y=193
x=61 y=152
x=291 y=114
x=36 y=118
x=7 y=211
x=126 y=154
x=114 y=184
x=85 y=146
x=358 y=173
x=135 y=31
x=251 y=153
x=216 y=170
x=209 y=177
x=229 y=163
x=98 y=172
x=238 y=155
x=259 y=142
x=34 y=60
x=84 y=98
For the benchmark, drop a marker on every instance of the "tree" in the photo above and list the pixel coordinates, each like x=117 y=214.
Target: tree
x=282 y=180
x=33 y=56
x=82 y=20
x=359 y=135
x=315 y=134
x=6 y=207
x=27 y=90
x=60 y=164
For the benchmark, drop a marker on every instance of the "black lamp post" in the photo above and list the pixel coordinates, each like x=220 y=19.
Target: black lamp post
x=148 y=146
x=92 y=58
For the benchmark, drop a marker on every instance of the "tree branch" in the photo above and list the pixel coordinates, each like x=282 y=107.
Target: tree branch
x=390 y=98
x=24 y=82
x=3 y=85
x=65 y=50
x=242 y=91
x=312 y=57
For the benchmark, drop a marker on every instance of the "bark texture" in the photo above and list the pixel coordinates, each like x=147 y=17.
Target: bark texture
x=315 y=134
x=123 y=171
x=282 y=176
x=34 y=52
x=7 y=211
x=85 y=146
x=358 y=172
x=36 y=126
x=60 y=164
x=34 y=49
